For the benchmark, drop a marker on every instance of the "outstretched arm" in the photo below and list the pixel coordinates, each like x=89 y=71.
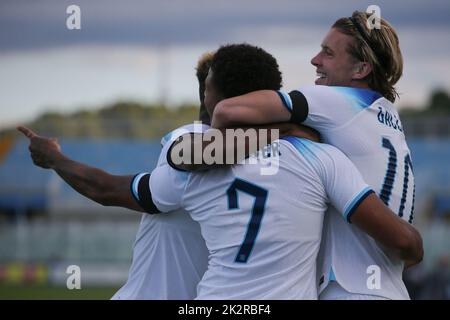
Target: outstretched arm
x=93 y=183
x=377 y=220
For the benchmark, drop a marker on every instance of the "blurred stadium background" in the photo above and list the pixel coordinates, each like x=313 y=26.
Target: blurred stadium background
x=112 y=90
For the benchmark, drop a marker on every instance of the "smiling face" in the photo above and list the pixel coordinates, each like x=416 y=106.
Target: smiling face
x=335 y=66
x=212 y=95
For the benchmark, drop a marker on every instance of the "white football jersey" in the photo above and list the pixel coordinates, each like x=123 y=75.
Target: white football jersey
x=367 y=128
x=263 y=232
x=169 y=254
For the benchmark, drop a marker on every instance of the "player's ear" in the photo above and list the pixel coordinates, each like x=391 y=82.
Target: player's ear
x=361 y=70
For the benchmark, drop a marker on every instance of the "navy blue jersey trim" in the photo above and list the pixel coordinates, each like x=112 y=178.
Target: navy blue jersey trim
x=356 y=205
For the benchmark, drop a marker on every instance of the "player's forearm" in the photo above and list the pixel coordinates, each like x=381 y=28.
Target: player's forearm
x=407 y=245
x=259 y=107
x=404 y=239
x=93 y=183
x=412 y=252
x=229 y=145
x=88 y=181
x=232 y=145
x=377 y=220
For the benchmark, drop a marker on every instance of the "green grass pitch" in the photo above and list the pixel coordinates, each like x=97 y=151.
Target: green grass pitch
x=8 y=292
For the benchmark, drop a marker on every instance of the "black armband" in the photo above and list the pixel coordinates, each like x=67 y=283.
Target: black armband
x=144 y=195
x=299 y=107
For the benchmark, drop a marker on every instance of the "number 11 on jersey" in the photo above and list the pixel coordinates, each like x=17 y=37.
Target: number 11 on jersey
x=389 y=179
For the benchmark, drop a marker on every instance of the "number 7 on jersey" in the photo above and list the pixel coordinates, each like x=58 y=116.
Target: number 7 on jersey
x=253 y=226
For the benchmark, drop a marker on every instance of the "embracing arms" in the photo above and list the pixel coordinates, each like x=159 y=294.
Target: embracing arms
x=258 y=107
x=231 y=145
x=382 y=224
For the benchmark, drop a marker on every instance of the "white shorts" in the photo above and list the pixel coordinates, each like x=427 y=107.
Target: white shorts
x=335 y=292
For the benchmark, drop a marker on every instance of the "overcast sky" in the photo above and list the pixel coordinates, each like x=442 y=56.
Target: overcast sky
x=147 y=50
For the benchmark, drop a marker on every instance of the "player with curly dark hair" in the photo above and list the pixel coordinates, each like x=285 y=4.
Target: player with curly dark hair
x=237 y=69
x=242 y=68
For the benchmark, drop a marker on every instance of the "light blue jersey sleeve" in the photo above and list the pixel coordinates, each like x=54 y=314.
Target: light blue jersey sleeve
x=167 y=187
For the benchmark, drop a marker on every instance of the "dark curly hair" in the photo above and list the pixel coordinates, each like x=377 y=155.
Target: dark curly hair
x=243 y=68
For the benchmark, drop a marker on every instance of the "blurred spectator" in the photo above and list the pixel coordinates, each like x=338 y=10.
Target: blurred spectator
x=437 y=282
x=434 y=285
